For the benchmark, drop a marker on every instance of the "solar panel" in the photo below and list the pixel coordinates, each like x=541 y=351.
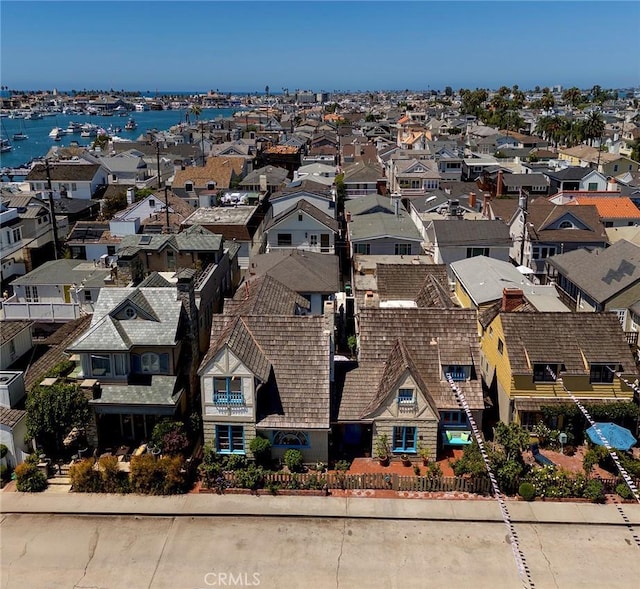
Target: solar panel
x=145 y=240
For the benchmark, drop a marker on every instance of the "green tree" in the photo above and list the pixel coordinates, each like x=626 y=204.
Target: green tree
x=635 y=150
x=53 y=411
x=572 y=96
x=593 y=127
x=448 y=91
x=196 y=110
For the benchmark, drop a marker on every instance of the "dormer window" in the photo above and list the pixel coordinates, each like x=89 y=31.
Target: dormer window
x=228 y=391
x=211 y=185
x=566 y=225
x=130 y=313
x=188 y=186
x=602 y=373
x=458 y=373
x=546 y=372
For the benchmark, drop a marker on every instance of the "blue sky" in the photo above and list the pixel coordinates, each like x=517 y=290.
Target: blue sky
x=244 y=46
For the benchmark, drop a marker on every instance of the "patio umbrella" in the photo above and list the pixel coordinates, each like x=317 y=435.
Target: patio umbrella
x=617 y=436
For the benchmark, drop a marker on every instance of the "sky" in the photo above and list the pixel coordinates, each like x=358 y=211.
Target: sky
x=318 y=45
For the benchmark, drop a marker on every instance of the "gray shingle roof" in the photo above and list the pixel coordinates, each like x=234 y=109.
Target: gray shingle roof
x=64 y=172
x=193 y=238
x=301 y=271
x=156 y=324
x=309 y=209
x=602 y=274
x=65 y=272
x=374 y=217
x=406 y=281
x=466 y=233
x=160 y=392
x=565 y=338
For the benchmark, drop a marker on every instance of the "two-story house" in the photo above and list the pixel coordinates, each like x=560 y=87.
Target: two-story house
x=78 y=180
x=303 y=226
x=400 y=389
x=137 y=360
x=529 y=358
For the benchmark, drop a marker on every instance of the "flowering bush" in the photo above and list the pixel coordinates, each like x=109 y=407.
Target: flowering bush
x=551 y=482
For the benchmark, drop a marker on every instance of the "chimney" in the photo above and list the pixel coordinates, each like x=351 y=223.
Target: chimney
x=186 y=294
x=499 y=184
x=131 y=195
x=511 y=299
x=348 y=216
x=486 y=199
x=472 y=200
x=263 y=183
x=612 y=185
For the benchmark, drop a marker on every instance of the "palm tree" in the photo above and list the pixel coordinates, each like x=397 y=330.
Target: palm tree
x=593 y=127
x=572 y=95
x=196 y=110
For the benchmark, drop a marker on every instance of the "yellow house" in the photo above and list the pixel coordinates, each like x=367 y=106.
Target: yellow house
x=529 y=358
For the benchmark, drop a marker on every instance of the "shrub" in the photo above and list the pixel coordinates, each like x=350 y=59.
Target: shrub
x=527 y=491
x=293 y=460
x=570 y=450
x=4 y=450
x=416 y=470
x=595 y=455
x=261 y=449
x=114 y=480
x=343 y=465
x=84 y=478
x=273 y=487
x=236 y=462
x=624 y=491
x=30 y=479
x=434 y=471
x=293 y=483
x=165 y=476
x=251 y=477
x=5 y=473
x=548 y=481
x=314 y=482
x=170 y=437
x=594 y=491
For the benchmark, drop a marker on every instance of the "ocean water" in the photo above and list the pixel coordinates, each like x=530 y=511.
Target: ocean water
x=39 y=141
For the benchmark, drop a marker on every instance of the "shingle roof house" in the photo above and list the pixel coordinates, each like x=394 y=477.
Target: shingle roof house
x=399 y=388
x=267 y=371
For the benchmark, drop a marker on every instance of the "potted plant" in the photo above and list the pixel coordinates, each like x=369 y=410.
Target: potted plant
x=406 y=461
x=424 y=453
x=382 y=450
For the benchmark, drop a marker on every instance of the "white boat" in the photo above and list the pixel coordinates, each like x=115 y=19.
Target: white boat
x=20 y=136
x=5 y=146
x=131 y=125
x=89 y=130
x=55 y=133
x=74 y=127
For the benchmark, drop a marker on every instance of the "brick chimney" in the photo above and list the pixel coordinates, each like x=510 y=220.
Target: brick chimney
x=511 y=299
x=499 y=184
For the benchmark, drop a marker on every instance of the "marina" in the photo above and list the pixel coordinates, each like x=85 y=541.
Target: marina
x=82 y=129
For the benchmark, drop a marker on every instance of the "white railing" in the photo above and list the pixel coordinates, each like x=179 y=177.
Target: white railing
x=40 y=311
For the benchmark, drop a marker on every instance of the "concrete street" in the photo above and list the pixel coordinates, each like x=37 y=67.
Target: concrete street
x=136 y=552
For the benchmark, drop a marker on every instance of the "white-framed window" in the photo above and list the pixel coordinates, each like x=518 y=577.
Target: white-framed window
x=188 y=186
x=16 y=234
x=406 y=396
x=566 y=225
x=403 y=249
x=290 y=439
x=31 y=294
x=100 y=365
x=150 y=363
x=313 y=240
x=543 y=252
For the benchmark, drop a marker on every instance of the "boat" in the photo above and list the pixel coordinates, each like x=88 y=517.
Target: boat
x=89 y=130
x=74 y=127
x=55 y=133
x=131 y=125
x=20 y=136
x=5 y=146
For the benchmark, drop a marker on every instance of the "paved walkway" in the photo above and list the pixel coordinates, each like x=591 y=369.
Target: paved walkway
x=332 y=507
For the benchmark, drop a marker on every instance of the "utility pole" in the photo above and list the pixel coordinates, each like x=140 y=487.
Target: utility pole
x=158 y=163
x=522 y=203
x=56 y=243
x=202 y=142
x=166 y=205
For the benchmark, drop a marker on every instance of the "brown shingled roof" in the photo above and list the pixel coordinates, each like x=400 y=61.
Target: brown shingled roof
x=218 y=169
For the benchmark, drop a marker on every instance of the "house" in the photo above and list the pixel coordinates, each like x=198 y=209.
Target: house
x=608 y=164
x=480 y=281
x=458 y=239
x=363 y=178
x=599 y=279
x=13 y=417
x=502 y=185
x=127 y=167
x=58 y=290
x=617 y=211
x=137 y=360
x=312 y=275
x=320 y=173
x=545 y=229
x=248 y=385
x=575 y=178
x=473 y=167
x=288 y=157
x=399 y=388
x=319 y=196
x=265 y=179
x=529 y=358
x=378 y=225
x=79 y=180
x=92 y=240
x=412 y=177
x=201 y=184
x=304 y=227
x=15 y=341
x=26 y=235
x=242 y=224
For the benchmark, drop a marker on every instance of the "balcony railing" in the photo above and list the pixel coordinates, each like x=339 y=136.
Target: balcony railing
x=632 y=338
x=14 y=310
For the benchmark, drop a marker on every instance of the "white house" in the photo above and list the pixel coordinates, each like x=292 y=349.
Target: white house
x=302 y=226
x=78 y=180
x=13 y=422
x=15 y=341
x=321 y=173
x=282 y=201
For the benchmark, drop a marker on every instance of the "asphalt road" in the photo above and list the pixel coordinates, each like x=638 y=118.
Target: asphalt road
x=113 y=552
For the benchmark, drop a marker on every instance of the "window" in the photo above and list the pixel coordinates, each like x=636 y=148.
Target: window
x=188 y=186
x=152 y=202
x=290 y=439
x=228 y=391
x=500 y=346
x=472 y=252
x=615 y=167
x=284 y=239
x=313 y=240
x=130 y=313
x=120 y=364
x=211 y=185
x=74 y=186
x=230 y=439
x=171 y=260
x=150 y=363
x=458 y=373
x=87 y=296
x=529 y=419
x=566 y=225
x=12 y=348
x=541 y=372
x=362 y=248
x=543 y=252
x=453 y=418
x=405 y=397
x=403 y=249
x=404 y=439
x=602 y=373
x=592 y=186
x=31 y=294
x=16 y=234
x=100 y=365
x=299 y=216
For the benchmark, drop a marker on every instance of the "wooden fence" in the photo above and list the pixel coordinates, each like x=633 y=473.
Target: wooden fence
x=371 y=481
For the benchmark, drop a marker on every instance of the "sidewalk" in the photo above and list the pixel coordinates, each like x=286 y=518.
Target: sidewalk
x=314 y=507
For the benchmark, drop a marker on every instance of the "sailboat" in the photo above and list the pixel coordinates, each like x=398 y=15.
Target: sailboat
x=5 y=144
x=20 y=135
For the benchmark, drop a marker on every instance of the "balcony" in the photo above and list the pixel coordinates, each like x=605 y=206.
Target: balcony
x=12 y=309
